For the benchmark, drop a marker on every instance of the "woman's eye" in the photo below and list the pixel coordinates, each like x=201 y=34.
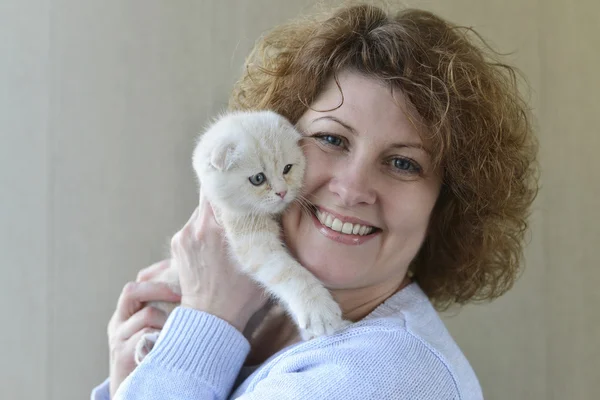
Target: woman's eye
x=287 y=169
x=406 y=165
x=331 y=140
x=258 y=179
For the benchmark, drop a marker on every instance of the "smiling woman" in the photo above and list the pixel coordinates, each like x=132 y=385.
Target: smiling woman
x=419 y=176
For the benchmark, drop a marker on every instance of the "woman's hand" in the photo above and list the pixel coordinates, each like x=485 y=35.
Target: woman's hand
x=210 y=281
x=132 y=320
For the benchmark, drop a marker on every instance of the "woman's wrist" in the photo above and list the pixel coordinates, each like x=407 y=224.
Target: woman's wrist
x=236 y=318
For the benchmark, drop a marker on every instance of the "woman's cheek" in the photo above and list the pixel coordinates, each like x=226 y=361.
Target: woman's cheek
x=317 y=168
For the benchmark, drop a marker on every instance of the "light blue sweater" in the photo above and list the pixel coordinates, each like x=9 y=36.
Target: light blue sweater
x=400 y=351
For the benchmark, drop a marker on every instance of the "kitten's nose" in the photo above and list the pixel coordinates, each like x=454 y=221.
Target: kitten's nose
x=281 y=194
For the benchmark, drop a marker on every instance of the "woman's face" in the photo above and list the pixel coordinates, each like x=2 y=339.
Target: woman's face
x=369 y=174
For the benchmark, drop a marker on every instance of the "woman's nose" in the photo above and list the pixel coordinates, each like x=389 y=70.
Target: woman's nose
x=353 y=184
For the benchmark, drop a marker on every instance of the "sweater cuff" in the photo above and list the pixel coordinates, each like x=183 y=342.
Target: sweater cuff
x=202 y=345
x=102 y=391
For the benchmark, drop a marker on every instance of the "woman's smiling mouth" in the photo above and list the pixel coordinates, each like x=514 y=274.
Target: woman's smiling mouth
x=343 y=229
x=337 y=225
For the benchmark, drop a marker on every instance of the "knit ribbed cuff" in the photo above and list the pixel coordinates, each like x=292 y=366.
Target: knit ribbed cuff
x=201 y=345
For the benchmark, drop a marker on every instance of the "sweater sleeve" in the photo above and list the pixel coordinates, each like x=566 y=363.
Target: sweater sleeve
x=197 y=356
x=101 y=392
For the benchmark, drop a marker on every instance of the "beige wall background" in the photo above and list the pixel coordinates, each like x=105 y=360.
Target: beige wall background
x=99 y=105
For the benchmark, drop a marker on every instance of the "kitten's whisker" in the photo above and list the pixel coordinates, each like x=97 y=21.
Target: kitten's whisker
x=302 y=198
x=308 y=196
x=304 y=204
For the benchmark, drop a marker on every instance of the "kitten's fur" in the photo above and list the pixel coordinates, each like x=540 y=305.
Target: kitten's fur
x=236 y=148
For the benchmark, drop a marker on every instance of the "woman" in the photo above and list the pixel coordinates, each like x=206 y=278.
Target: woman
x=409 y=129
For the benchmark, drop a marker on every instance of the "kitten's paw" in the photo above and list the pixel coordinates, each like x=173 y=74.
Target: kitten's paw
x=323 y=318
x=143 y=347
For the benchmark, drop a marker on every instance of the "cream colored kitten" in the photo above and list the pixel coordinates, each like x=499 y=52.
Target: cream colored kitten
x=250 y=167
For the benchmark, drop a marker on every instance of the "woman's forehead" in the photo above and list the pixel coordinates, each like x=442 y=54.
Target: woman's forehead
x=366 y=104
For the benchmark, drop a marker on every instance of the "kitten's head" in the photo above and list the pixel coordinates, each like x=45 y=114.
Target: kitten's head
x=251 y=161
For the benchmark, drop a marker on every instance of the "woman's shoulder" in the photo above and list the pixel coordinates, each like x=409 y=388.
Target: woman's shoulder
x=363 y=361
x=402 y=347
x=408 y=326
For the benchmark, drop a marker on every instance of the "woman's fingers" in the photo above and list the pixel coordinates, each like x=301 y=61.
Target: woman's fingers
x=185 y=233
x=150 y=272
x=201 y=225
x=135 y=294
x=206 y=212
x=147 y=317
x=122 y=356
x=132 y=342
x=131 y=320
x=193 y=217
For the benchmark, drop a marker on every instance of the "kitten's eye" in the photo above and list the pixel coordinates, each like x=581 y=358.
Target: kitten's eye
x=287 y=169
x=258 y=179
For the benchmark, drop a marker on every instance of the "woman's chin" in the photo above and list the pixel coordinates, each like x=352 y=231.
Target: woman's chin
x=333 y=266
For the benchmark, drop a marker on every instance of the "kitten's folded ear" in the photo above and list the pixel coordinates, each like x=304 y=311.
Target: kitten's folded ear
x=223 y=156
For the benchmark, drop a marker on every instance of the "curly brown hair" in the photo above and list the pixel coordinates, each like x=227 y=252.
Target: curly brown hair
x=478 y=129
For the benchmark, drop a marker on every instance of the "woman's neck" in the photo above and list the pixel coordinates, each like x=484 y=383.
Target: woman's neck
x=358 y=303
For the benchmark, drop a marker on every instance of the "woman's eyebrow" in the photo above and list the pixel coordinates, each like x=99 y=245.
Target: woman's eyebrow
x=418 y=146
x=334 y=119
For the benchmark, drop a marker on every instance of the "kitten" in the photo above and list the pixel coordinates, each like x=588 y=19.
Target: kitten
x=250 y=167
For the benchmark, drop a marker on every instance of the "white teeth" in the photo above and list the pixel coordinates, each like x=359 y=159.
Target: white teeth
x=347 y=228
x=344 y=227
x=337 y=225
